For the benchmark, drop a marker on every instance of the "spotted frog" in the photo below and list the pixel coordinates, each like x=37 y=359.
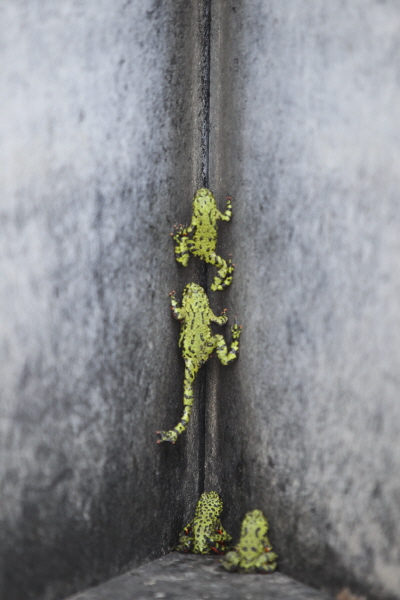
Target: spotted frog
x=200 y=238
x=253 y=552
x=197 y=342
x=205 y=534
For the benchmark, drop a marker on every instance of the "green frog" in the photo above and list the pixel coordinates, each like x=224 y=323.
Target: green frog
x=205 y=534
x=254 y=551
x=200 y=238
x=198 y=342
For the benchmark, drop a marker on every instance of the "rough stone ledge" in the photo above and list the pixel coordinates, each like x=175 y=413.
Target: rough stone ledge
x=185 y=576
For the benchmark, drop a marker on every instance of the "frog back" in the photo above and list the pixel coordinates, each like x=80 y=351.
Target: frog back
x=206 y=214
x=196 y=331
x=206 y=521
x=253 y=535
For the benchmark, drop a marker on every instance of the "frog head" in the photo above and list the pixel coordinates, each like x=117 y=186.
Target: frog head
x=191 y=292
x=203 y=201
x=255 y=521
x=209 y=503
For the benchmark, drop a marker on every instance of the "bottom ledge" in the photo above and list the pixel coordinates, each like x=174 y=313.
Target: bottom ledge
x=190 y=577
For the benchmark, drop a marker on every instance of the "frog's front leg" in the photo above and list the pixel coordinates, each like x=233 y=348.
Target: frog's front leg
x=227 y=215
x=231 y=561
x=225 y=271
x=181 y=239
x=266 y=563
x=188 y=399
x=221 y=538
x=222 y=320
x=225 y=356
x=177 y=312
x=186 y=539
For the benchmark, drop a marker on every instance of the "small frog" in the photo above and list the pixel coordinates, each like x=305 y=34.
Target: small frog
x=253 y=552
x=197 y=342
x=205 y=534
x=200 y=238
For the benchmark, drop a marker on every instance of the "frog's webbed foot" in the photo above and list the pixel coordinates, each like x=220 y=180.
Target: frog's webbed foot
x=179 y=232
x=167 y=436
x=223 y=278
x=173 y=434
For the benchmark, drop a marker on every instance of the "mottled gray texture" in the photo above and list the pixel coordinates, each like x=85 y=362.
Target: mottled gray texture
x=102 y=144
x=305 y=134
x=190 y=577
x=100 y=155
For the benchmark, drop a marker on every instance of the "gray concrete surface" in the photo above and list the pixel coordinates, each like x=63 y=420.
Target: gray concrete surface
x=103 y=125
x=305 y=134
x=100 y=153
x=190 y=577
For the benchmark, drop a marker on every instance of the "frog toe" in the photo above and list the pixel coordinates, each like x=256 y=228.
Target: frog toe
x=167 y=436
x=236 y=331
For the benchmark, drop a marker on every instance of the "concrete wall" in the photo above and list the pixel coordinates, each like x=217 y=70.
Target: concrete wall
x=305 y=133
x=100 y=155
x=102 y=145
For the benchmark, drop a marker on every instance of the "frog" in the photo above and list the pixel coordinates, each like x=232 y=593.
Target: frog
x=198 y=342
x=200 y=237
x=205 y=534
x=253 y=553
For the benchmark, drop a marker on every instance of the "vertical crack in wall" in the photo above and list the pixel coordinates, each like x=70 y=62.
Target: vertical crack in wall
x=205 y=36
x=205 y=90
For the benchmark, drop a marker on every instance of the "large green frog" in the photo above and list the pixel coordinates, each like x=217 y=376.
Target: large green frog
x=205 y=534
x=200 y=238
x=253 y=553
x=198 y=342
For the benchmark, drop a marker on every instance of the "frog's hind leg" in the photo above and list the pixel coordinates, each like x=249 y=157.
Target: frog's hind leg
x=266 y=563
x=223 y=278
x=227 y=356
x=188 y=399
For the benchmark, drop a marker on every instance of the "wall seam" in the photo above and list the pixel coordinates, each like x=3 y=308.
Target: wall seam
x=205 y=176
